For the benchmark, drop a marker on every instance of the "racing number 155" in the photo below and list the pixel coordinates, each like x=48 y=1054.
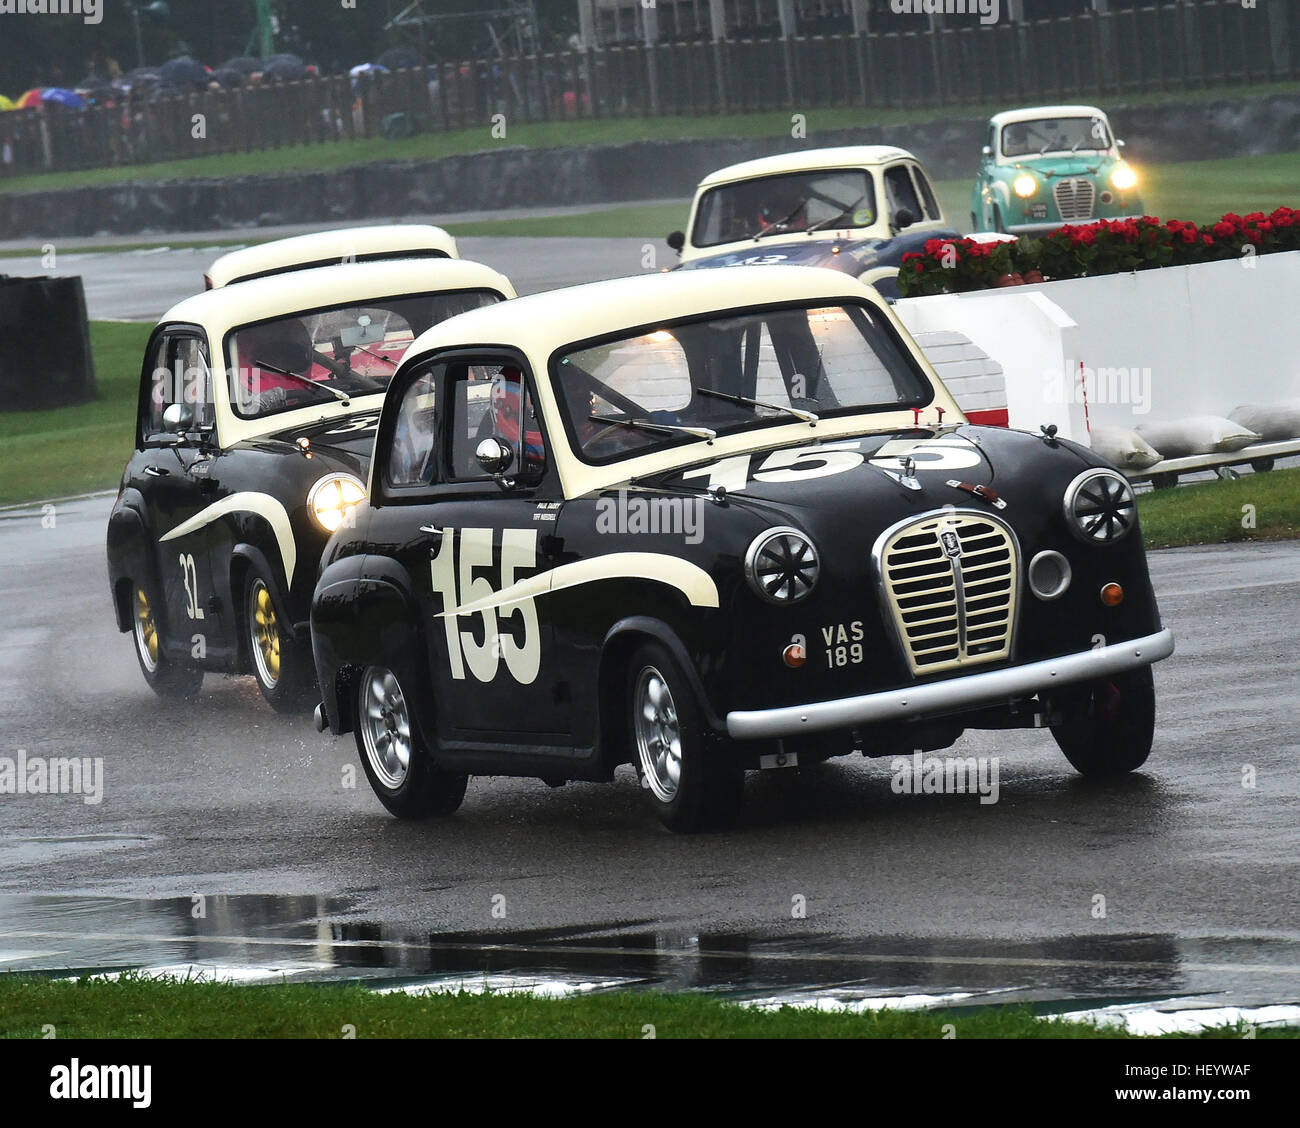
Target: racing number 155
x=518 y=552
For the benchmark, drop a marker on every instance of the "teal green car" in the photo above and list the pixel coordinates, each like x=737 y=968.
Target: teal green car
x=1045 y=166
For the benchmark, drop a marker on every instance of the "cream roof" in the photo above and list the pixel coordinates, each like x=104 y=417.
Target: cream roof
x=321 y=247
x=845 y=156
x=1037 y=113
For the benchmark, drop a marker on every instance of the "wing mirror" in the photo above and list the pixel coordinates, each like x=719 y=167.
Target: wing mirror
x=494 y=456
x=903 y=218
x=677 y=240
x=1119 y=142
x=178 y=418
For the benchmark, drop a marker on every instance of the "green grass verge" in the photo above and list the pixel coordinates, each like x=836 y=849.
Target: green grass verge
x=132 y=1007
x=68 y=450
x=1214 y=512
x=430 y=146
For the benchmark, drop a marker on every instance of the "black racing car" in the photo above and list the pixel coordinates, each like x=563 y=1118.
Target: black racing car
x=703 y=532
x=256 y=418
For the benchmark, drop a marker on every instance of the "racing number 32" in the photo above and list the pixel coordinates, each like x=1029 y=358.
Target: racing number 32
x=522 y=652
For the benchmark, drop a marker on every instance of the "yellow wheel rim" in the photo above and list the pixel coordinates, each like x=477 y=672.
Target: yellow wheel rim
x=266 y=634
x=146 y=628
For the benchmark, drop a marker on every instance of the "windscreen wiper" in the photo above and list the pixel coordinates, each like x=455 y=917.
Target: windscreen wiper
x=797 y=412
x=342 y=396
x=830 y=219
x=768 y=228
x=663 y=428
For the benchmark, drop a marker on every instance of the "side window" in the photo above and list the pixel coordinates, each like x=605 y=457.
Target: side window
x=900 y=192
x=177 y=371
x=494 y=399
x=412 y=459
x=927 y=194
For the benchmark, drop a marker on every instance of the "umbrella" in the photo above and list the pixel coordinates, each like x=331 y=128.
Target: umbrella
x=245 y=64
x=30 y=100
x=7 y=103
x=368 y=70
x=57 y=96
x=396 y=58
x=287 y=59
x=283 y=72
x=228 y=77
x=184 y=71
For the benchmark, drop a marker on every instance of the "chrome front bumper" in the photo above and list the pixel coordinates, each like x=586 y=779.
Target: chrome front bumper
x=951 y=694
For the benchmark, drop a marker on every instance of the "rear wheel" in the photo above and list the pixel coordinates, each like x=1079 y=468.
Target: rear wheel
x=396 y=761
x=1106 y=727
x=282 y=666
x=1165 y=481
x=1262 y=465
x=166 y=677
x=693 y=779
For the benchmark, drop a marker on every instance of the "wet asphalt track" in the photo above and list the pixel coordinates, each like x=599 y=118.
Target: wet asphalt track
x=143 y=285
x=225 y=799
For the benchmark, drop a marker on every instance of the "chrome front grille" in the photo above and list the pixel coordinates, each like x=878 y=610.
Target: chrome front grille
x=951 y=581
x=1074 y=197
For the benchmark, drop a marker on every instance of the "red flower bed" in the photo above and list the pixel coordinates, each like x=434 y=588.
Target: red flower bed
x=1109 y=246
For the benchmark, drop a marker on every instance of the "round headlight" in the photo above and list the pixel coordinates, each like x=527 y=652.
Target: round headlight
x=333 y=497
x=781 y=565
x=1099 y=507
x=1025 y=186
x=1123 y=177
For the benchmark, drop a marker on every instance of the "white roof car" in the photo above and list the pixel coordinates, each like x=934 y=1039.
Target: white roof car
x=542 y=326
x=220 y=312
x=323 y=248
x=856 y=209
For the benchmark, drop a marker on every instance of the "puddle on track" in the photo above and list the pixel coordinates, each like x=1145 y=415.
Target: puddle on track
x=263 y=938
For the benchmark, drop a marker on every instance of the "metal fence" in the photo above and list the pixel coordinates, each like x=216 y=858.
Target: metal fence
x=1170 y=47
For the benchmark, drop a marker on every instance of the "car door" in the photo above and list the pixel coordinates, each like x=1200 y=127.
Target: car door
x=170 y=477
x=476 y=552
x=900 y=195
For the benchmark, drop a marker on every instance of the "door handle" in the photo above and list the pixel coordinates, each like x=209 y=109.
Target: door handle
x=156 y=471
x=432 y=530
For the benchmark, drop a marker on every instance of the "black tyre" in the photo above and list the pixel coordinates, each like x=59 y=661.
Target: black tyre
x=1166 y=481
x=165 y=676
x=1107 y=726
x=1262 y=465
x=693 y=778
x=282 y=666
x=396 y=760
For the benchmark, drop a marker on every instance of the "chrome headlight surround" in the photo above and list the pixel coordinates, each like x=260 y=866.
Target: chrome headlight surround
x=782 y=565
x=1100 y=507
x=323 y=503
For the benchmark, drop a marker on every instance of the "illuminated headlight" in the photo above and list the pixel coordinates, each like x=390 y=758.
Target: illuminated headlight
x=781 y=565
x=1099 y=507
x=1123 y=177
x=333 y=498
x=1025 y=186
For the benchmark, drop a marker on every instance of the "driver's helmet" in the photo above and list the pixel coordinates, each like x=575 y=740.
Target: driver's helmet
x=505 y=408
x=285 y=344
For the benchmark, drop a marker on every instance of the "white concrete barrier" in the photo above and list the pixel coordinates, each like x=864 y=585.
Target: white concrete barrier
x=1149 y=346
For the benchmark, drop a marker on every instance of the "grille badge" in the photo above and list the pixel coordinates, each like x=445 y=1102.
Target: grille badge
x=951 y=544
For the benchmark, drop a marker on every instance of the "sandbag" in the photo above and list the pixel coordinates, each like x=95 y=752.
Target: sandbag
x=1199 y=434
x=1124 y=448
x=1273 y=422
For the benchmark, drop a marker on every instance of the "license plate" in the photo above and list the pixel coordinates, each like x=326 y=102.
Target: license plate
x=779 y=760
x=1037 y=211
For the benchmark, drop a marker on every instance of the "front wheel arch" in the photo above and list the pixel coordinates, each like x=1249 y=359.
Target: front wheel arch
x=622 y=641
